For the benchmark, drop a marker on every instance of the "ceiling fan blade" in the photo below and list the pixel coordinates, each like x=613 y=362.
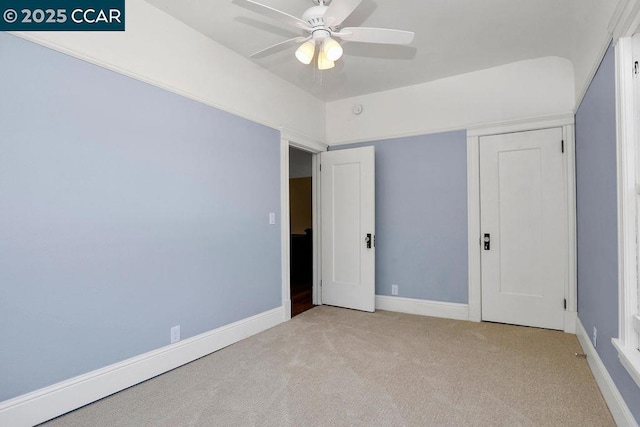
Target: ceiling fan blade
x=338 y=11
x=278 y=46
x=273 y=13
x=375 y=35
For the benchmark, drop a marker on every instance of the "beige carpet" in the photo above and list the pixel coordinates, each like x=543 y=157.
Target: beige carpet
x=332 y=367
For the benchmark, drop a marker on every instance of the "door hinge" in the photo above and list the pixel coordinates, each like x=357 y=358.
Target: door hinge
x=565 y=303
x=636 y=68
x=320 y=167
x=562 y=145
x=320 y=282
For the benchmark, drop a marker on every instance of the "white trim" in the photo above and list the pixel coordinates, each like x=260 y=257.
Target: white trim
x=50 y=402
x=630 y=359
x=315 y=219
x=34 y=38
x=566 y=121
x=569 y=168
x=473 y=228
x=523 y=125
x=626 y=134
x=285 y=247
x=422 y=307
x=301 y=141
x=618 y=407
x=398 y=135
x=291 y=138
x=625 y=19
x=570 y=319
x=475 y=129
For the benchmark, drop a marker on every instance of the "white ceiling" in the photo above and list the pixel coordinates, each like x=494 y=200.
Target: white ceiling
x=452 y=37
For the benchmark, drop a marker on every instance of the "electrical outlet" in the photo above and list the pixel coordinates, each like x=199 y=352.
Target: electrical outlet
x=272 y=218
x=595 y=337
x=394 y=289
x=175 y=334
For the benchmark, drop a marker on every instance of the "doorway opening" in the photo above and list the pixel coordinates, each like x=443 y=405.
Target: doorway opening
x=301 y=230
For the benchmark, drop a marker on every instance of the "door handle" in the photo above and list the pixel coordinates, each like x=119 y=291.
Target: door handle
x=368 y=240
x=487 y=241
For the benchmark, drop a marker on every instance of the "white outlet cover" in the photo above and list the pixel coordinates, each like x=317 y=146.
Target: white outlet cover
x=394 y=289
x=175 y=334
x=272 y=218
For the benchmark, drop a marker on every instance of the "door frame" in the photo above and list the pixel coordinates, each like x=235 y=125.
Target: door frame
x=566 y=122
x=291 y=138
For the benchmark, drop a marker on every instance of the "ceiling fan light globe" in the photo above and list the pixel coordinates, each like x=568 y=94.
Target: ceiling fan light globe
x=324 y=63
x=332 y=49
x=306 y=51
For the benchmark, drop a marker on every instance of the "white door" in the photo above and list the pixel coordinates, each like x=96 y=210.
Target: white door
x=348 y=228
x=524 y=228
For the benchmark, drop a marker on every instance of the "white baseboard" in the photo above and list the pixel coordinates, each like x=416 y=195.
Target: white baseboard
x=618 y=407
x=422 y=307
x=50 y=402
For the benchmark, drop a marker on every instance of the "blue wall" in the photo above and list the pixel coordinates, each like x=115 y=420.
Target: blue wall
x=597 y=223
x=421 y=216
x=124 y=210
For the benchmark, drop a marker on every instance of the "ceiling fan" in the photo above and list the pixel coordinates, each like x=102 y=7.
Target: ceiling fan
x=322 y=22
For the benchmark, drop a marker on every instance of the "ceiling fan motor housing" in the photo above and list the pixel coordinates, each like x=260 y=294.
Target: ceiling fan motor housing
x=315 y=16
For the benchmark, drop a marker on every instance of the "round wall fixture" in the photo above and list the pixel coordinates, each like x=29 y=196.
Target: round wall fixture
x=357 y=109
